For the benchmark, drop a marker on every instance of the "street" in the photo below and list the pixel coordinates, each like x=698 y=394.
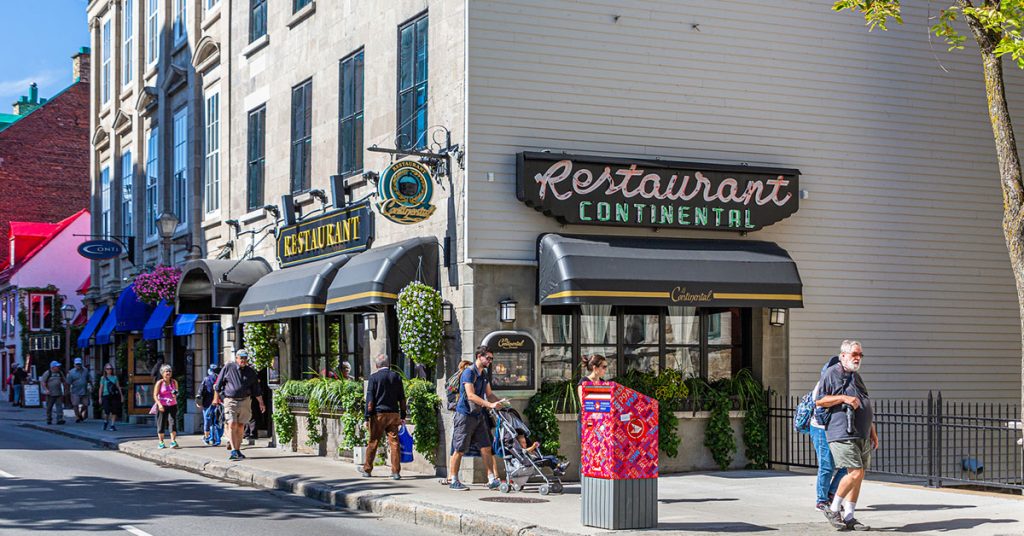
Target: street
x=51 y=484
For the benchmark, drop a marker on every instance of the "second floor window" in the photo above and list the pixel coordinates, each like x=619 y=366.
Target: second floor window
x=257 y=19
x=412 y=84
x=152 y=30
x=180 y=26
x=128 y=33
x=299 y=4
x=257 y=153
x=152 y=182
x=40 y=312
x=105 y=74
x=211 y=163
x=127 y=218
x=105 y=201
x=350 y=105
x=302 y=129
x=179 y=186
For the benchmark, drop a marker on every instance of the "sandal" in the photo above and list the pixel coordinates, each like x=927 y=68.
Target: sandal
x=444 y=482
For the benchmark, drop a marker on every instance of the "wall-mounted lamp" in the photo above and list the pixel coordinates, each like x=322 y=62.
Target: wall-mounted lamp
x=777 y=316
x=229 y=334
x=447 y=313
x=370 y=323
x=507 y=310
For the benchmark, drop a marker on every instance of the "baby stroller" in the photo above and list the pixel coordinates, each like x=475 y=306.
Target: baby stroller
x=523 y=462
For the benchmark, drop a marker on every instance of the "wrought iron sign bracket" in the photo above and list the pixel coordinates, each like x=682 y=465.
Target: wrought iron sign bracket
x=438 y=157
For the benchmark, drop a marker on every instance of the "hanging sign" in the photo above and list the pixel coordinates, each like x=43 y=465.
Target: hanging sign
x=588 y=190
x=404 y=192
x=346 y=230
x=98 y=250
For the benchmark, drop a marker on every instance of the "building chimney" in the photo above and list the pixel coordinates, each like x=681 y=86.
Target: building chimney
x=80 y=65
x=29 y=103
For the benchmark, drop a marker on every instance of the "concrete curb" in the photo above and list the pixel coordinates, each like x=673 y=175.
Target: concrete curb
x=409 y=511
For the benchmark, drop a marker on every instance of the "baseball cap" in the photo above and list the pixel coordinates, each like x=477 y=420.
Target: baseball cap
x=54 y=363
x=78 y=360
x=242 y=352
x=213 y=368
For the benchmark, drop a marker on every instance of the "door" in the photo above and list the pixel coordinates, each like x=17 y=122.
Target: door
x=140 y=381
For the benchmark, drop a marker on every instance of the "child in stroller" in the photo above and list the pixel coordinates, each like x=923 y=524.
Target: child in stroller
x=523 y=462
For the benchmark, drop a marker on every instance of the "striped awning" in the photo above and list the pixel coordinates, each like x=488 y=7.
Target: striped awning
x=290 y=292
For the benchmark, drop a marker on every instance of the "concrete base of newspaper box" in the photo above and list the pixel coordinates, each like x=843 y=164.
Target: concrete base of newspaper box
x=619 y=504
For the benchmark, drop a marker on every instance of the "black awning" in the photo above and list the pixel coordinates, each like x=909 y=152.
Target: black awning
x=216 y=286
x=632 y=271
x=376 y=276
x=290 y=292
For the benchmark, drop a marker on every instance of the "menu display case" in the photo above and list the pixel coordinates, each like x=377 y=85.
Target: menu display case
x=515 y=361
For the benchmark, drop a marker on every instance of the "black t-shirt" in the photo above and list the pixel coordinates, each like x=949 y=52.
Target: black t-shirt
x=20 y=376
x=836 y=381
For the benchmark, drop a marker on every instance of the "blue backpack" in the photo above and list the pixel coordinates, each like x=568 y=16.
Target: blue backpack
x=802 y=414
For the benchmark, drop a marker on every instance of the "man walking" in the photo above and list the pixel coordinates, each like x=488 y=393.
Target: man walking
x=850 y=431
x=80 y=381
x=471 y=429
x=828 y=477
x=54 y=385
x=204 y=402
x=385 y=413
x=234 y=387
x=18 y=380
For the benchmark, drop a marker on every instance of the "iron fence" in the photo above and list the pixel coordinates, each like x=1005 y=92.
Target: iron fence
x=941 y=441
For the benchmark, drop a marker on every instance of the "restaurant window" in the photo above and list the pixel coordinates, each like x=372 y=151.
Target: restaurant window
x=40 y=312
x=179 y=184
x=641 y=340
x=257 y=19
x=310 y=342
x=257 y=139
x=211 y=162
x=350 y=106
x=105 y=73
x=127 y=216
x=556 y=355
x=599 y=335
x=302 y=135
x=152 y=201
x=412 y=84
x=346 y=344
x=299 y=4
x=128 y=31
x=682 y=341
x=724 y=342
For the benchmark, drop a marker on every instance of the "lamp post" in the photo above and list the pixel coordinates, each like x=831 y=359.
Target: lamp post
x=68 y=312
x=166 y=224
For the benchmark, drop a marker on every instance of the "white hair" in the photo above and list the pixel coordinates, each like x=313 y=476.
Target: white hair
x=165 y=368
x=381 y=361
x=848 y=345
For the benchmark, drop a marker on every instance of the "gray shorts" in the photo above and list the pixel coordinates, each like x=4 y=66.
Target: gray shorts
x=470 y=432
x=238 y=410
x=851 y=454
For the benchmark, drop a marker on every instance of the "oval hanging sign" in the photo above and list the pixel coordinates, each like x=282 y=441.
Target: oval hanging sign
x=98 y=250
x=404 y=192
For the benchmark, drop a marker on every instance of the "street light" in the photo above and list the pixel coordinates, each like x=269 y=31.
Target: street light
x=166 y=224
x=68 y=312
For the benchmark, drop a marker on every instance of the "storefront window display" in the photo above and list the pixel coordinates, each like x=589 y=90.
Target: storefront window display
x=322 y=343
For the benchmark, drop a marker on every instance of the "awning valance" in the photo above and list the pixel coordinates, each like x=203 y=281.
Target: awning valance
x=185 y=324
x=634 y=271
x=216 y=286
x=376 y=276
x=154 y=328
x=290 y=292
x=132 y=314
x=103 y=334
x=91 y=325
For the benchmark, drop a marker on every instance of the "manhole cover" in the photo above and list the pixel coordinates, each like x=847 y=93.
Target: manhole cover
x=519 y=500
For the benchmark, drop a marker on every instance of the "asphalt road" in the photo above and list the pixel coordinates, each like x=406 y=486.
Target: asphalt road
x=50 y=484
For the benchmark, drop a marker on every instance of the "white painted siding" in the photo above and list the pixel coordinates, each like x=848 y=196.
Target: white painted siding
x=899 y=244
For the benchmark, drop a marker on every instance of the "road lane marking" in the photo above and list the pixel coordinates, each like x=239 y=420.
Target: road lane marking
x=5 y=474
x=135 y=531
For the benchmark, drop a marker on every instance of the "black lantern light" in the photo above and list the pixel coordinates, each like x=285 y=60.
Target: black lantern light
x=447 y=313
x=777 y=316
x=370 y=322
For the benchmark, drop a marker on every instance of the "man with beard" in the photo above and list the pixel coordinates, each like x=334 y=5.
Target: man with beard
x=850 y=431
x=471 y=431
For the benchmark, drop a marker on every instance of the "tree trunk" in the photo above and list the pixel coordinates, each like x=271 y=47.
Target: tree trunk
x=1009 y=166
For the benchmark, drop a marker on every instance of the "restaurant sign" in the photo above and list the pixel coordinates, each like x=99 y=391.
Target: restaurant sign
x=404 y=192
x=346 y=230
x=588 y=190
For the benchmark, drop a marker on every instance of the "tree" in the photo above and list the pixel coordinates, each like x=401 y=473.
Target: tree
x=996 y=27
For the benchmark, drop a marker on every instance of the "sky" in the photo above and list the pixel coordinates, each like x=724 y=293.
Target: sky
x=37 y=40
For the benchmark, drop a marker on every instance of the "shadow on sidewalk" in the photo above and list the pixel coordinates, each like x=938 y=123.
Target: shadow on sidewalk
x=726 y=527
x=702 y=500
x=912 y=507
x=945 y=525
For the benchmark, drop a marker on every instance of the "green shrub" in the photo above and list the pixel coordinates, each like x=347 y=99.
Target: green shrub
x=423 y=405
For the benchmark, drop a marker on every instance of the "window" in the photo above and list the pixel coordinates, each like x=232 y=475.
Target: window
x=105 y=75
x=127 y=175
x=210 y=4
x=3 y=317
x=152 y=31
x=211 y=164
x=105 y=201
x=345 y=341
x=412 y=84
x=152 y=182
x=599 y=334
x=302 y=128
x=180 y=25
x=299 y=4
x=350 y=106
x=257 y=19
x=128 y=33
x=40 y=312
x=179 y=186
x=12 y=313
x=257 y=152
x=682 y=340
x=556 y=362
x=310 y=344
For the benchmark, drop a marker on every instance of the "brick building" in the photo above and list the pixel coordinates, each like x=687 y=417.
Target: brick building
x=44 y=157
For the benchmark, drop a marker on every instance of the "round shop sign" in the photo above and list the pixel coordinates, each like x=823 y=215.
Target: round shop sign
x=98 y=250
x=404 y=192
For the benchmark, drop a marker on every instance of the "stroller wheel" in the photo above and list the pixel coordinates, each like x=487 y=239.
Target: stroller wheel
x=517 y=487
x=556 y=487
x=545 y=489
x=504 y=487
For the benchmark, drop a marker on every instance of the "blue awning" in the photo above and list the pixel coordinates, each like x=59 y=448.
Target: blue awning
x=103 y=335
x=131 y=313
x=155 y=325
x=91 y=325
x=185 y=324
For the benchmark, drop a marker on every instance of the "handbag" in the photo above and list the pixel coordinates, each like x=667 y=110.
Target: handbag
x=405 y=440
x=155 y=409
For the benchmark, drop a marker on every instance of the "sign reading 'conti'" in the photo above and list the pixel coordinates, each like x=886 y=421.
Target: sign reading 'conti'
x=346 y=230
x=591 y=190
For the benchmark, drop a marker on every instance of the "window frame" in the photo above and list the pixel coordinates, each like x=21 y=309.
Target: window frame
x=179 y=21
x=106 y=59
x=179 y=163
x=257 y=24
x=152 y=32
x=356 y=145
x=301 y=146
x=404 y=123
x=38 y=322
x=105 y=202
x=128 y=42
x=299 y=4
x=211 y=152
x=152 y=181
x=127 y=190
x=256 y=162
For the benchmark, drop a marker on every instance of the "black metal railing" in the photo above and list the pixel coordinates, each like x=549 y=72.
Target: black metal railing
x=940 y=441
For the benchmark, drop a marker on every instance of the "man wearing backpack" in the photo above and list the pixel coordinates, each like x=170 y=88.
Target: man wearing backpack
x=828 y=478
x=470 y=425
x=54 y=385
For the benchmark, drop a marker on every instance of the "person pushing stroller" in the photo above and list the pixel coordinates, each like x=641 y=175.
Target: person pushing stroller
x=523 y=461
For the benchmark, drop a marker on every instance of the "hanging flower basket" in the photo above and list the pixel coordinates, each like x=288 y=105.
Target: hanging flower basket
x=419 y=323
x=160 y=284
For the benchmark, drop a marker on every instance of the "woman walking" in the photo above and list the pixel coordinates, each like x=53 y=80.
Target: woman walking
x=110 y=398
x=165 y=395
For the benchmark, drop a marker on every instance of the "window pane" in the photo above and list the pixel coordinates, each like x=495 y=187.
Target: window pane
x=642 y=358
x=682 y=326
x=722 y=362
x=609 y=352
x=555 y=363
x=405 y=59
x=684 y=359
x=640 y=329
x=597 y=325
x=556 y=329
x=36 y=312
x=724 y=327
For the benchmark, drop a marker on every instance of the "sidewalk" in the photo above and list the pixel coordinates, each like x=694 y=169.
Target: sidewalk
x=694 y=503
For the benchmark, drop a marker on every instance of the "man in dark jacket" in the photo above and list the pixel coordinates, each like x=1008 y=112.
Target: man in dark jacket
x=385 y=413
x=235 y=385
x=204 y=401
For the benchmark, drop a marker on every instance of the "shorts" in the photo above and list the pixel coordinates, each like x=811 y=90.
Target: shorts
x=79 y=400
x=851 y=454
x=238 y=410
x=471 y=431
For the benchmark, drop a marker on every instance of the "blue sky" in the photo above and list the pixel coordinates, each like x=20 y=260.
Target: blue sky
x=37 y=40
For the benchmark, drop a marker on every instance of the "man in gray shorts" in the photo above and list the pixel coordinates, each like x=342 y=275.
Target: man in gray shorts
x=234 y=387
x=849 y=430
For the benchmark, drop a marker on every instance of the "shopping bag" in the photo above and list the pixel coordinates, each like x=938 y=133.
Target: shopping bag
x=406 y=442
x=155 y=409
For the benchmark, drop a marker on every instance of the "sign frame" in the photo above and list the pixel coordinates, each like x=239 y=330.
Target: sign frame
x=318 y=231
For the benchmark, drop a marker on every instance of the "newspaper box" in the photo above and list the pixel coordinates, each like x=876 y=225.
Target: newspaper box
x=619 y=458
